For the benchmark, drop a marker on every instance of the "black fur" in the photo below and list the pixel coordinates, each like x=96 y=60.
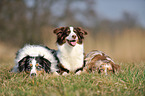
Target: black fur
x=46 y=64
x=23 y=65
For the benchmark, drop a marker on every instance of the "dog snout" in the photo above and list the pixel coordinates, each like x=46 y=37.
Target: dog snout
x=33 y=74
x=74 y=36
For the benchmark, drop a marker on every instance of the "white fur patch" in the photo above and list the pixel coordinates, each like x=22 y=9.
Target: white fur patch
x=69 y=37
x=106 y=67
x=71 y=57
x=71 y=29
x=35 y=50
x=33 y=70
x=91 y=55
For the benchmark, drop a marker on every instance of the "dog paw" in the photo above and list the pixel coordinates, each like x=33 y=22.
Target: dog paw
x=64 y=73
x=55 y=74
x=78 y=73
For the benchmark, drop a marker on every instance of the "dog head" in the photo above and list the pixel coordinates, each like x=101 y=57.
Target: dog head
x=34 y=65
x=99 y=61
x=106 y=67
x=70 y=35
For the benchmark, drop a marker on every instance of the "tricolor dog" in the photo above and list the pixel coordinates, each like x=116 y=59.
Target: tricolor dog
x=70 y=49
x=35 y=60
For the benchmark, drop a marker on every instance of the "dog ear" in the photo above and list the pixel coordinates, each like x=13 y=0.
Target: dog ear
x=82 y=31
x=21 y=63
x=46 y=64
x=116 y=68
x=58 y=30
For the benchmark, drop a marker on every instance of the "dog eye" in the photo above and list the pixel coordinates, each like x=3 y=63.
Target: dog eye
x=29 y=68
x=67 y=33
x=39 y=68
x=101 y=66
x=101 y=70
x=59 y=33
x=81 y=33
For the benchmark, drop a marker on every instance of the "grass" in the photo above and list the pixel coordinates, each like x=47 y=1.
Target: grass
x=125 y=47
x=130 y=81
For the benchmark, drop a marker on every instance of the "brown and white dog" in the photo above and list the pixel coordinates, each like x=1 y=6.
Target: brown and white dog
x=100 y=62
x=70 y=49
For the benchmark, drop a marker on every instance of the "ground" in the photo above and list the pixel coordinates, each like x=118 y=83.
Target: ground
x=130 y=81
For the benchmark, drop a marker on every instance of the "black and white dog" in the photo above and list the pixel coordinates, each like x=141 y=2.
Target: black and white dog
x=36 y=59
x=70 y=49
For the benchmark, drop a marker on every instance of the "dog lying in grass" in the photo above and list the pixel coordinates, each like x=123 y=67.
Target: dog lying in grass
x=35 y=60
x=100 y=62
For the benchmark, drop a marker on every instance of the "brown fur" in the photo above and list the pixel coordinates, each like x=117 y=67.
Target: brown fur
x=62 y=69
x=63 y=32
x=98 y=63
x=40 y=72
x=37 y=71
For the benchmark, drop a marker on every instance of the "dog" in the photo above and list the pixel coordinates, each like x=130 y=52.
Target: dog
x=35 y=60
x=100 y=62
x=70 y=49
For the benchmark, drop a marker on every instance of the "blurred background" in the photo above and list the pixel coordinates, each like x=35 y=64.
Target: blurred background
x=116 y=27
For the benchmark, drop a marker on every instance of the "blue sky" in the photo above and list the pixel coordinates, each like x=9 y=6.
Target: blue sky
x=113 y=9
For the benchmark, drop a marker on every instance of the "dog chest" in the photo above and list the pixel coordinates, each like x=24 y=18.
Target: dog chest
x=71 y=59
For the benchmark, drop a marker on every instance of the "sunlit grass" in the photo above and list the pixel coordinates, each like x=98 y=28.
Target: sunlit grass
x=130 y=81
x=126 y=48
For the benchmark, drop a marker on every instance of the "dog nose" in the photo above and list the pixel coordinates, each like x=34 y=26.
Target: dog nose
x=33 y=74
x=74 y=36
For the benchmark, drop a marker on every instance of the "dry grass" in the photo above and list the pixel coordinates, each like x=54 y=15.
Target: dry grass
x=130 y=81
x=127 y=48
x=127 y=45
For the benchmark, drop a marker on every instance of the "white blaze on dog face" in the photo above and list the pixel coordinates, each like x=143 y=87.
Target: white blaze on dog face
x=35 y=67
x=105 y=68
x=72 y=38
x=108 y=68
x=33 y=70
x=70 y=35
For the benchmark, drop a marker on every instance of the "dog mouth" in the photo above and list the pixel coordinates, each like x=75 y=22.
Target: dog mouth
x=72 y=42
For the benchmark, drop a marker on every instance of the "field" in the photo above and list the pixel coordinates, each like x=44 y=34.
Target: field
x=127 y=49
x=130 y=81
